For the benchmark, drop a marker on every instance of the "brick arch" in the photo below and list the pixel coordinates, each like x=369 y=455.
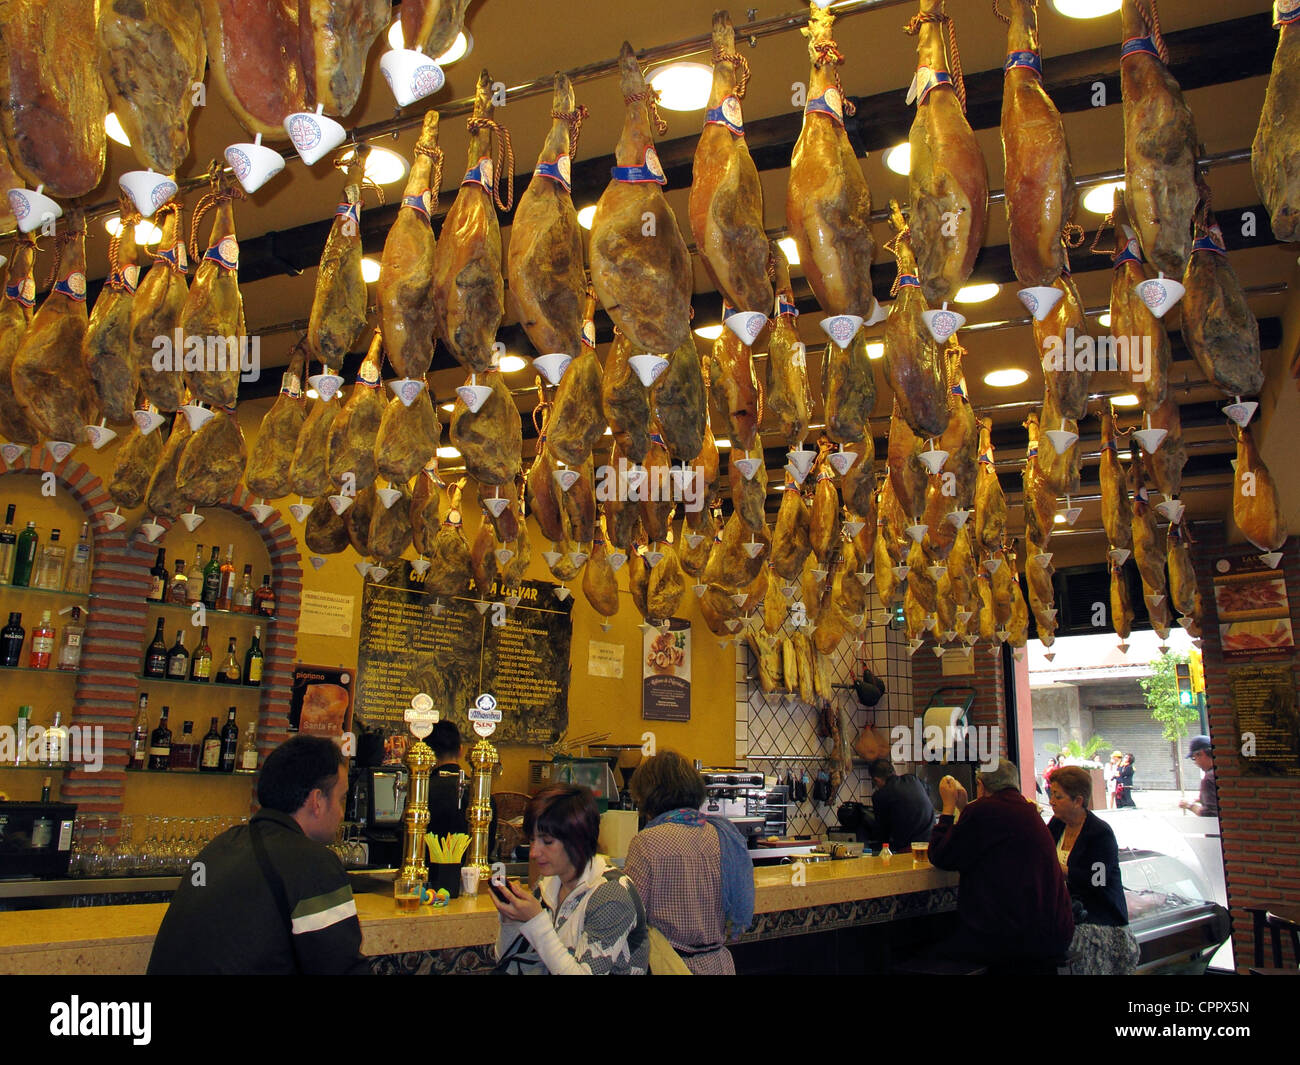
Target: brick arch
x=107 y=690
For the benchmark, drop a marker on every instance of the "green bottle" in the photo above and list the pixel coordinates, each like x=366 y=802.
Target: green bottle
x=25 y=558
x=212 y=581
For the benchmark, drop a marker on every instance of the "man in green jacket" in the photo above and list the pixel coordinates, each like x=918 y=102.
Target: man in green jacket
x=270 y=897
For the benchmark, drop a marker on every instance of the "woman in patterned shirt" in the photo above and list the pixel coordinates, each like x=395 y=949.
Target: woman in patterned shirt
x=584 y=919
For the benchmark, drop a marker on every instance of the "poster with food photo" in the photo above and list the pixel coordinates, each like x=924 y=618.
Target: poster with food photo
x=320 y=703
x=666 y=672
x=1253 y=608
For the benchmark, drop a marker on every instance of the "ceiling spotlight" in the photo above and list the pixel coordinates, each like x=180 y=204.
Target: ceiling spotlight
x=1104 y=319
x=113 y=127
x=876 y=350
x=899 y=158
x=1126 y=400
x=1101 y=198
x=1058 y=519
x=145 y=231
x=722 y=443
x=682 y=86
x=709 y=332
x=1005 y=378
x=447 y=406
x=448 y=453
x=790 y=249
x=512 y=364
x=370 y=270
x=976 y=293
x=312 y=394
x=586 y=215
x=383 y=167
x=1086 y=8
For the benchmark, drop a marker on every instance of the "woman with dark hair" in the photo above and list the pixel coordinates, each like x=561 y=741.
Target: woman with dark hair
x=584 y=919
x=693 y=873
x=1124 y=785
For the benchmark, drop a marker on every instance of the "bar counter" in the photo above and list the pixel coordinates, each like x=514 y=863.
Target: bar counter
x=458 y=937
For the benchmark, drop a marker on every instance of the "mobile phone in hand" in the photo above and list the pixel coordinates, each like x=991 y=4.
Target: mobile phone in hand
x=500 y=891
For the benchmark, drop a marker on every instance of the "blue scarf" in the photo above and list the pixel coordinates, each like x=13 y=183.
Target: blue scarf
x=737 y=868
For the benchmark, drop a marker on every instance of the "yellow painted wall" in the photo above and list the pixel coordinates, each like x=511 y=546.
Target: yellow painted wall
x=596 y=704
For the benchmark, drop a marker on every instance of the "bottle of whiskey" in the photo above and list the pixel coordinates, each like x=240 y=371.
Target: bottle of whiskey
x=8 y=546
x=226 y=589
x=253 y=660
x=243 y=600
x=212 y=580
x=194 y=578
x=210 y=751
x=178 y=659
x=140 y=739
x=264 y=598
x=229 y=671
x=178 y=591
x=155 y=656
x=246 y=762
x=184 y=750
x=160 y=743
x=201 y=660
x=158 y=578
x=229 y=742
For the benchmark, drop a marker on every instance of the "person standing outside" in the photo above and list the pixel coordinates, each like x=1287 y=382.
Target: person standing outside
x=1201 y=751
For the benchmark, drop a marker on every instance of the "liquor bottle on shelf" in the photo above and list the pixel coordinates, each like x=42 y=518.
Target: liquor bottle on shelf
x=48 y=575
x=212 y=580
x=178 y=659
x=243 y=600
x=20 y=734
x=25 y=556
x=194 y=578
x=155 y=656
x=70 y=645
x=229 y=742
x=246 y=762
x=56 y=741
x=253 y=660
x=210 y=751
x=228 y=673
x=160 y=743
x=201 y=660
x=42 y=649
x=8 y=546
x=78 y=579
x=11 y=640
x=140 y=738
x=264 y=598
x=226 y=589
x=158 y=573
x=178 y=591
x=45 y=789
x=185 y=750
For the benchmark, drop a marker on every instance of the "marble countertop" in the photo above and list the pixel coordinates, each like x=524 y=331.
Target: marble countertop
x=112 y=940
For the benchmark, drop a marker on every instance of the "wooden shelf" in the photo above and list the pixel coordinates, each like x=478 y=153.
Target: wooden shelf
x=187 y=773
x=60 y=767
x=22 y=589
x=47 y=672
x=201 y=684
x=176 y=608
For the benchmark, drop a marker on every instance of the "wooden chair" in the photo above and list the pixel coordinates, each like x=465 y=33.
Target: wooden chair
x=510 y=821
x=1277 y=926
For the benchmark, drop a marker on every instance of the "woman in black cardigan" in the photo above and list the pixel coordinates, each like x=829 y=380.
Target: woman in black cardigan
x=1087 y=850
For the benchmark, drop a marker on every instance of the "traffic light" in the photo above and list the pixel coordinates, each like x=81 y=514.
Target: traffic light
x=1183 y=675
x=1197 y=665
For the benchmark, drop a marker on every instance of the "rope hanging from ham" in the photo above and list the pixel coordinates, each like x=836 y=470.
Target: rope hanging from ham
x=224 y=194
x=1151 y=16
x=60 y=242
x=573 y=119
x=742 y=69
x=435 y=154
x=914 y=27
x=651 y=96
x=891 y=246
x=505 y=153
x=829 y=54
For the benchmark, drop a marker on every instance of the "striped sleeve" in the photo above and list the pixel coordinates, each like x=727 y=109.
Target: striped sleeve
x=311 y=915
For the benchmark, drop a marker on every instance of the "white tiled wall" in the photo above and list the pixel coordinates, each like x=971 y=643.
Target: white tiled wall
x=773 y=730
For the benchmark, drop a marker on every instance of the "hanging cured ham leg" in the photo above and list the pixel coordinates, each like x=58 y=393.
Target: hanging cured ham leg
x=828 y=206
x=15 y=314
x=108 y=351
x=1116 y=510
x=639 y=262
x=913 y=360
x=408 y=314
x=254 y=58
x=578 y=419
x=1274 y=157
x=1255 y=506
x=432 y=25
x=1159 y=142
x=214 y=308
x=726 y=204
x=467 y=281
x=338 y=309
x=1039 y=180
x=156 y=312
x=949 y=183
x=1131 y=320
x=788 y=397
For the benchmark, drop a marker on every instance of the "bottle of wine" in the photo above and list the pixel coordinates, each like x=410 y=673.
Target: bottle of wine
x=194 y=578
x=49 y=565
x=178 y=659
x=158 y=573
x=253 y=660
x=243 y=601
x=212 y=580
x=178 y=591
x=185 y=750
x=264 y=598
x=201 y=660
x=8 y=546
x=140 y=738
x=226 y=589
x=70 y=646
x=210 y=751
x=246 y=762
x=229 y=742
x=11 y=640
x=229 y=671
x=25 y=556
x=160 y=743
x=78 y=579
x=155 y=656
x=42 y=650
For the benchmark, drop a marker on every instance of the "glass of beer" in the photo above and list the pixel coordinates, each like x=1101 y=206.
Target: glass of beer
x=920 y=854
x=406 y=894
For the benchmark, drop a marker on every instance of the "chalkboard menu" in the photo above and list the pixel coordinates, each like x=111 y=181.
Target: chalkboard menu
x=1263 y=700
x=415 y=642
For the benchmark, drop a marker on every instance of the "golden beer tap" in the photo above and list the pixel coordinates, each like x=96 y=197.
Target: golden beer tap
x=415 y=817
x=484 y=759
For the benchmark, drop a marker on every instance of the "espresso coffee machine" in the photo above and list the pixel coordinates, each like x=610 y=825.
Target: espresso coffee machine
x=739 y=795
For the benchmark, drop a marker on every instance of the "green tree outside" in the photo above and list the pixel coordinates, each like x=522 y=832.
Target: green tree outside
x=1161 y=691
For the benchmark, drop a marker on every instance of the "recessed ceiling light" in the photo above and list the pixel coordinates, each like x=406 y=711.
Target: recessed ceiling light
x=447 y=406
x=876 y=350
x=790 y=249
x=709 y=332
x=512 y=364
x=113 y=127
x=312 y=394
x=383 y=166
x=586 y=215
x=1005 y=378
x=682 y=86
x=1101 y=199
x=448 y=453
x=976 y=293
x=1104 y=319
x=370 y=270
x=1086 y=8
x=899 y=158
x=608 y=431
x=459 y=47
x=1126 y=400
x=1059 y=519
x=722 y=442
x=145 y=231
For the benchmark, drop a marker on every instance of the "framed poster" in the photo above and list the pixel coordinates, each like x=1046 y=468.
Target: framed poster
x=320 y=702
x=1268 y=727
x=666 y=672
x=1253 y=608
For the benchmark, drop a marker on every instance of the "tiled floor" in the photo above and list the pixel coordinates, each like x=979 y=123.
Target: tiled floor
x=778 y=734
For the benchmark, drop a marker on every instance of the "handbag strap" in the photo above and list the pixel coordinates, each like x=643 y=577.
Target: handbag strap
x=273 y=879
